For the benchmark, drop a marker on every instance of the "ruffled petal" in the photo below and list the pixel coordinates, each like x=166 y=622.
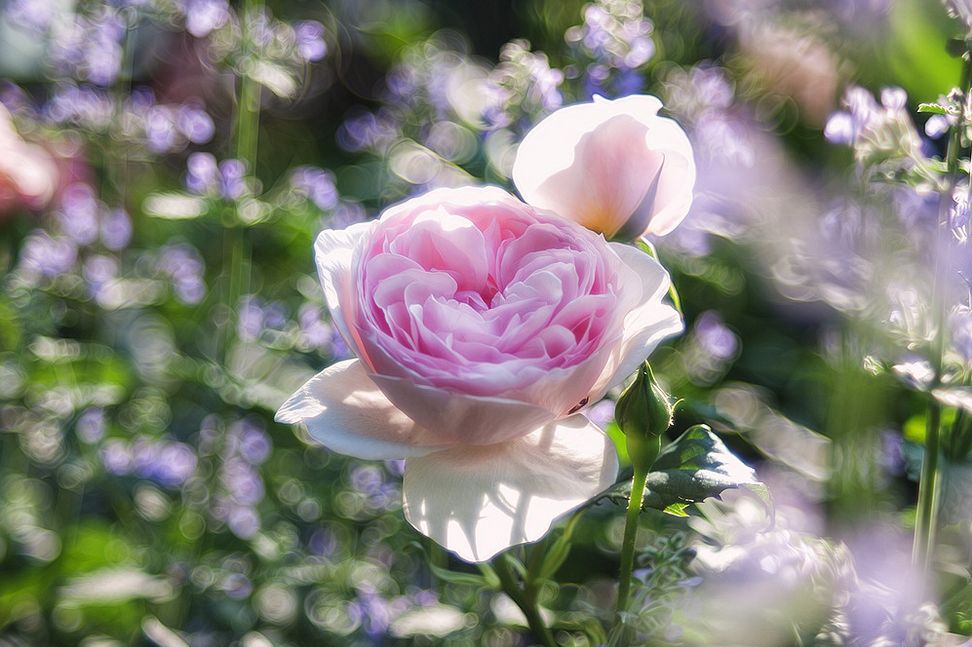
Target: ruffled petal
x=647 y=325
x=344 y=410
x=478 y=501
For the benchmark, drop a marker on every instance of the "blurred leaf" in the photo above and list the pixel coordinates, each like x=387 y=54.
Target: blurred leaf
x=923 y=66
x=697 y=465
x=555 y=557
x=452 y=577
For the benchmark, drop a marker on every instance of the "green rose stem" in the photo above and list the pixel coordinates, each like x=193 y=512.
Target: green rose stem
x=630 y=537
x=927 y=513
x=644 y=413
x=525 y=598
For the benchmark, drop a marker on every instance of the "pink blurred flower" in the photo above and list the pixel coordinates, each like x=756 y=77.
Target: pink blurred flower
x=28 y=174
x=613 y=166
x=482 y=326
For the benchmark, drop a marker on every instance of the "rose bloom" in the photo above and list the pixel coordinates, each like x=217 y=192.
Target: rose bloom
x=28 y=174
x=482 y=328
x=615 y=167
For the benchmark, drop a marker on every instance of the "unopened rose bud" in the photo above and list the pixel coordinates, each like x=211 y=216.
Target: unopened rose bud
x=615 y=167
x=644 y=412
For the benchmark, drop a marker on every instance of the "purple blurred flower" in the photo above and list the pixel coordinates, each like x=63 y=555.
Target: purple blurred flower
x=614 y=36
x=232 y=178
x=237 y=586
x=249 y=323
x=937 y=125
x=202 y=174
x=203 y=16
x=91 y=425
x=116 y=229
x=78 y=215
x=840 y=128
x=395 y=466
x=376 y=612
x=368 y=131
x=35 y=15
x=242 y=482
x=98 y=271
x=195 y=124
x=315 y=333
x=116 y=456
x=87 y=107
x=44 y=256
x=184 y=267
x=894 y=98
x=310 y=40
x=161 y=131
x=322 y=542
x=243 y=522
x=714 y=337
x=167 y=463
x=317 y=185
x=958 y=214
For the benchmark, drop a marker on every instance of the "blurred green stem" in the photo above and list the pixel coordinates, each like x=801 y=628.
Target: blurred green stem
x=246 y=133
x=928 y=487
x=525 y=598
x=630 y=538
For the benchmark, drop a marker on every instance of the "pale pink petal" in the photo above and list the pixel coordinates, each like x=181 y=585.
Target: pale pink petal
x=548 y=147
x=461 y=418
x=479 y=501
x=646 y=326
x=613 y=166
x=611 y=173
x=334 y=252
x=345 y=411
x=674 y=194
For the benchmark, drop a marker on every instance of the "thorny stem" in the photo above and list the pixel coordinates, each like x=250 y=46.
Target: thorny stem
x=630 y=538
x=524 y=598
x=928 y=487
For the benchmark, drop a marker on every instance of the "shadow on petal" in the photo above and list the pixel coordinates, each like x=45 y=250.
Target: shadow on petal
x=479 y=501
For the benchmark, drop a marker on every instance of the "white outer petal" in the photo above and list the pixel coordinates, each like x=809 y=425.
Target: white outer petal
x=334 y=253
x=344 y=410
x=479 y=501
x=646 y=326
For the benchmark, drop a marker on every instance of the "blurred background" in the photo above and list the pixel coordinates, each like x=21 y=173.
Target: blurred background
x=165 y=166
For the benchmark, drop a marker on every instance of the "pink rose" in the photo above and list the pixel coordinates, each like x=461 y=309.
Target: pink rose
x=615 y=167
x=28 y=174
x=482 y=327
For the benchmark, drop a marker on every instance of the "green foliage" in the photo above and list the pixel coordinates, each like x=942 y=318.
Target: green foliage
x=695 y=466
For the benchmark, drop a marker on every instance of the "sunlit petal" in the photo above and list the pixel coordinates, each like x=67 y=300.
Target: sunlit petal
x=345 y=411
x=478 y=501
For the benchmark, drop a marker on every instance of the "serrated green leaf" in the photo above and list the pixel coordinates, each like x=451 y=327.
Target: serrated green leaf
x=696 y=466
x=933 y=108
x=677 y=509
